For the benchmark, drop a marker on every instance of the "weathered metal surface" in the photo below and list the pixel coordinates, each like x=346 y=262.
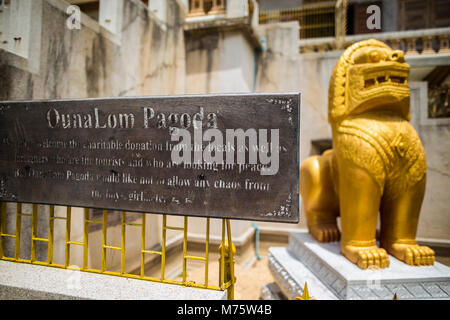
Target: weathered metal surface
x=116 y=154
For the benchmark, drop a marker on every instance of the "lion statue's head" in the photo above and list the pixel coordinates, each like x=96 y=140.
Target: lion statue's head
x=369 y=75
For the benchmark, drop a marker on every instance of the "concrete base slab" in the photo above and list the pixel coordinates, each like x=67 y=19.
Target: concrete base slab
x=27 y=281
x=331 y=276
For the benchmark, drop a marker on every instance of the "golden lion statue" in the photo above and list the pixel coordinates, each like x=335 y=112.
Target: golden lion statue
x=377 y=163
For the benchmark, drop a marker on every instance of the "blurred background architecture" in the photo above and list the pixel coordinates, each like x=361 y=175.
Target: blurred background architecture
x=160 y=47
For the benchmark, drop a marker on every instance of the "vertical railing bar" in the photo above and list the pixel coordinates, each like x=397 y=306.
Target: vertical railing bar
x=122 y=251
x=185 y=248
x=222 y=257
x=2 y=227
x=104 y=231
x=51 y=229
x=163 y=247
x=143 y=246
x=86 y=238
x=230 y=243
x=68 y=225
x=33 y=233
x=18 y=230
x=231 y=261
x=207 y=252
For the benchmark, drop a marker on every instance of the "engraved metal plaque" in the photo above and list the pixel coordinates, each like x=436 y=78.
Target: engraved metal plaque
x=124 y=154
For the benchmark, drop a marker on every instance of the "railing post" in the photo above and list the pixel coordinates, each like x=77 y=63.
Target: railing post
x=18 y=231
x=207 y=251
x=122 y=243
x=143 y=246
x=34 y=232
x=85 y=239
x=411 y=46
x=163 y=247
x=226 y=262
x=185 y=240
x=104 y=238
x=51 y=233
x=427 y=45
x=444 y=44
x=395 y=44
x=67 y=244
x=2 y=227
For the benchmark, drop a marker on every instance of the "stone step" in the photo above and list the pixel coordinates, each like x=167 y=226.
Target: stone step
x=290 y=275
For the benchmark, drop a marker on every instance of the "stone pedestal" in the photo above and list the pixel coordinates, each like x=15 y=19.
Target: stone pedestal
x=331 y=276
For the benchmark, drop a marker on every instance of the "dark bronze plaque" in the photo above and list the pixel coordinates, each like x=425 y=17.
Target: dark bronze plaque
x=117 y=153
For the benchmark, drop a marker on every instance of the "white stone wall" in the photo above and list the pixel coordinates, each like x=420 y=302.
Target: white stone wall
x=434 y=222
x=282 y=69
x=219 y=63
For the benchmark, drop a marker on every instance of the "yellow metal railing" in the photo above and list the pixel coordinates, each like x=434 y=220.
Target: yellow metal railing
x=316 y=21
x=226 y=249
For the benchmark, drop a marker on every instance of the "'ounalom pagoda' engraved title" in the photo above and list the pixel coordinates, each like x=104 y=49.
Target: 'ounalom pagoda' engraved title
x=151 y=119
x=230 y=156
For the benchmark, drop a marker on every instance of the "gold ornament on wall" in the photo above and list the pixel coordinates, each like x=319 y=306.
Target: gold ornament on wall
x=377 y=164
